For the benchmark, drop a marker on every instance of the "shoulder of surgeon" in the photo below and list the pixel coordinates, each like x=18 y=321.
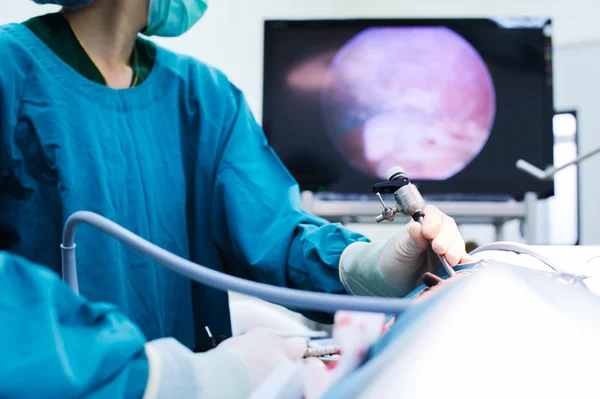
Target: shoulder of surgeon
x=16 y=57
x=200 y=78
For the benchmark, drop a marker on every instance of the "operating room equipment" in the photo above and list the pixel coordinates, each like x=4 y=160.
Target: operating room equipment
x=214 y=341
x=319 y=351
x=408 y=202
x=549 y=172
x=284 y=296
x=517 y=248
x=309 y=334
x=212 y=338
x=360 y=208
x=368 y=115
x=221 y=281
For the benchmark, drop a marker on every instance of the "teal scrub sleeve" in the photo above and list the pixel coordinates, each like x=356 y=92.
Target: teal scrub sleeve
x=269 y=238
x=54 y=344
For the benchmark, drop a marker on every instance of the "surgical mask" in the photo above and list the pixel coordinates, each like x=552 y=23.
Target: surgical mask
x=169 y=18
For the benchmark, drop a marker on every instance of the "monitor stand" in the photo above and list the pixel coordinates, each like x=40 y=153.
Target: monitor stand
x=363 y=208
x=447 y=197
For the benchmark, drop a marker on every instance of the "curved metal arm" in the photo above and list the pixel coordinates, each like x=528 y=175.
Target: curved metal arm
x=284 y=296
x=549 y=173
x=517 y=248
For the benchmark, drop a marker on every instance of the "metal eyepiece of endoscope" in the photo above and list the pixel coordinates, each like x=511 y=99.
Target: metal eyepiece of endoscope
x=394 y=172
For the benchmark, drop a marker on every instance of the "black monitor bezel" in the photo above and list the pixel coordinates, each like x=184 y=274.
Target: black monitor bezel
x=271 y=24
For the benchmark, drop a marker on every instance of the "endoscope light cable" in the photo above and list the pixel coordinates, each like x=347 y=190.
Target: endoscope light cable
x=294 y=298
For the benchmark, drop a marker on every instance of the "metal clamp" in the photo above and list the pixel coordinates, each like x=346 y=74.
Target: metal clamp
x=388 y=213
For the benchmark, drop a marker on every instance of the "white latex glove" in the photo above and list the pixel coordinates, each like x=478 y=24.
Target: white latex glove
x=232 y=370
x=392 y=268
x=262 y=351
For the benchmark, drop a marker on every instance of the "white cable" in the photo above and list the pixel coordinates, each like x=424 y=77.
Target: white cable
x=517 y=248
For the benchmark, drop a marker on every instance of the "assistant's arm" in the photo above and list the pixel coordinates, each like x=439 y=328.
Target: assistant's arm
x=55 y=344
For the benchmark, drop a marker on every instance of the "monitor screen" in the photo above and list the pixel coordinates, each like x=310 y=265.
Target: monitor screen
x=454 y=102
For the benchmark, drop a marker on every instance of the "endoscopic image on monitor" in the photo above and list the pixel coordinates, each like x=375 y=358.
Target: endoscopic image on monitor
x=420 y=97
x=454 y=102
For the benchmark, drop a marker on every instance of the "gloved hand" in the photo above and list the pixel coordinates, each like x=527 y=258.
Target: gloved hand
x=392 y=268
x=232 y=370
x=261 y=351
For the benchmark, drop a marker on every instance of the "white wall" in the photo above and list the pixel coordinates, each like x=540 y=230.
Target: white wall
x=230 y=37
x=231 y=34
x=577 y=86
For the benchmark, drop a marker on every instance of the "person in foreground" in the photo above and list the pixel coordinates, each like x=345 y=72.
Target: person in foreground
x=95 y=117
x=55 y=344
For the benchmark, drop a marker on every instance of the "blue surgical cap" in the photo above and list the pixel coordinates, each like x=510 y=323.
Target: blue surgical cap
x=66 y=3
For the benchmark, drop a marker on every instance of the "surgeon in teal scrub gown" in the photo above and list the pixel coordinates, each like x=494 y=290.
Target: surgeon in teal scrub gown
x=94 y=117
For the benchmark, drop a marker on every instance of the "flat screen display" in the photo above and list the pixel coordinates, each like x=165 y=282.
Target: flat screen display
x=454 y=102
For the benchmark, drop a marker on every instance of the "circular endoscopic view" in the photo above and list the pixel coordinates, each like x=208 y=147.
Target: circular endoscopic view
x=419 y=97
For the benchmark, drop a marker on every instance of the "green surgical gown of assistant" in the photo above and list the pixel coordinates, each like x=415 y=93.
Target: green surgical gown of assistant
x=178 y=160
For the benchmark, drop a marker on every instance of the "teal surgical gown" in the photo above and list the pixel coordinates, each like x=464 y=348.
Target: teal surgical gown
x=178 y=160
x=54 y=344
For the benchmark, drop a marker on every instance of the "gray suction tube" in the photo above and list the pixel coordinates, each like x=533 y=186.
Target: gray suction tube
x=293 y=298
